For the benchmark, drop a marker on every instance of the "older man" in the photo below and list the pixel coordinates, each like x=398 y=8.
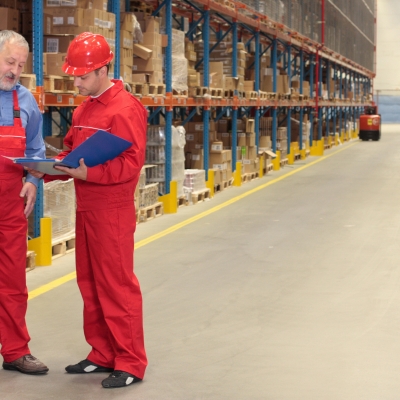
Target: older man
x=20 y=135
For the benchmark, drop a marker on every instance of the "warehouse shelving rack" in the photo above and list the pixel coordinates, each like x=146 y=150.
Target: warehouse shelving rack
x=299 y=54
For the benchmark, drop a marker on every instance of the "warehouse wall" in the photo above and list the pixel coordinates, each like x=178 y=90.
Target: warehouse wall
x=387 y=82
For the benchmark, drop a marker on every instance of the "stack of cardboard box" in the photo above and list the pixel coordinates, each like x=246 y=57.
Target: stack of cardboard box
x=190 y=54
x=127 y=27
x=147 y=61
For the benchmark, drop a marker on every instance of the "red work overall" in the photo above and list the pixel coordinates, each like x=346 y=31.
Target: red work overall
x=14 y=335
x=105 y=225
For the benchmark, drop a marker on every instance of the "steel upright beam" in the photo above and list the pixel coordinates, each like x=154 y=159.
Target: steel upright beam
x=257 y=85
x=38 y=70
x=274 y=62
x=206 y=66
x=168 y=88
x=115 y=8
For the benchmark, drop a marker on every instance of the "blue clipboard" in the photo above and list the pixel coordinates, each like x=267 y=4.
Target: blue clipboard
x=99 y=148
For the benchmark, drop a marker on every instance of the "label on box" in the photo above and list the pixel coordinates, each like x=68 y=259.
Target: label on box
x=71 y=21
x=225 y=134
x=198 y=146
x=221 y=167
x=198 y=127
x=58 y=20
x=196 y=157
x=52 y=45
x=241 y=135
x=217 y=147
x=189 y=138
x=246 y=162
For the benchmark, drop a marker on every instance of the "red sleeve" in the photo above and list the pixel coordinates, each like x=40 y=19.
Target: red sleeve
x=130 y=124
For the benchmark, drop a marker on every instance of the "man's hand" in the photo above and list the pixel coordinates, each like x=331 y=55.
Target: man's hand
x=34 y=173
x=28 y=191
x=77 y=173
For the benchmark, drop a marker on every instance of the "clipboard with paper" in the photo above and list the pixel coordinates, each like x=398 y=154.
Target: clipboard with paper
x=99 y=148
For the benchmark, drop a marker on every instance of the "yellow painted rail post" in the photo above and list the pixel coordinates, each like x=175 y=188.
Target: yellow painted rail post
x=276 y=162
x=42 y=244
x=290 y=156
x=237 y=175
x=262 y=163
x=170 y=201
x=210 y=182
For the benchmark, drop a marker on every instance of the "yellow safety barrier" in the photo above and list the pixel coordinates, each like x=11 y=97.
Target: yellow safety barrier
x=170 y=201
x=42 y=244
x=237 y=175
x=276 y=162
x=210 y=182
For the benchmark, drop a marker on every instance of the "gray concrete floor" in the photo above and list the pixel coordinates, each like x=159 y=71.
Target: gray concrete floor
x=290 y=292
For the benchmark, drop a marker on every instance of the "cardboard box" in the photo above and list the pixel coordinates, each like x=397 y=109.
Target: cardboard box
x=28 y=66
x=54 y=62
x=151 y=39
x=126 y=40
x=98 y=5
x=127 y=20
x=67 y=16
x=156 y=78
x=250 y=139
x=153 y=24
x=126 y=72
x=56 y=44
x=9 y=19
x=140 y=78
x=217 y=147
x=197 y=159
x=150 y=65
x=156 y=51
x=142 y=51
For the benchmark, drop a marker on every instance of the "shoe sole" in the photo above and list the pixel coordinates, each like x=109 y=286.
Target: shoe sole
x=91 y=372
x=10 y=367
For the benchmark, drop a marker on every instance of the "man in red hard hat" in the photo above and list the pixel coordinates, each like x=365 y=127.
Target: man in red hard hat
x=105 y=217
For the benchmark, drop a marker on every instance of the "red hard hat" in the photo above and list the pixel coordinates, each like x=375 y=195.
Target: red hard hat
x=86 y=53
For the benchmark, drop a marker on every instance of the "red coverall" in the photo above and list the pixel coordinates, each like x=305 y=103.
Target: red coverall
x=105 y=225
x=14 y=335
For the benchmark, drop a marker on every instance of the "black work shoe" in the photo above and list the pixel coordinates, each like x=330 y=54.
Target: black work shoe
x=119 y=379
x=26 y=364
x=85 y=367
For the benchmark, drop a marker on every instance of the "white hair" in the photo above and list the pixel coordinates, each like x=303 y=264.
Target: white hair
x=13 y=38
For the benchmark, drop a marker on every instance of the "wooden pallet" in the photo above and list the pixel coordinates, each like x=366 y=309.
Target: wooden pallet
x=263 y=95
x=140 y=89
x=200 y=195
x=29 y=81
x=199 y=91
x=59 y=84
x=218 y=188
x=30 y=260
x=180 y=93
x=63 y=246
x=182 y=202
x=156 y=90
x=297 y=156
x=217 y=93
x=251 y=95
x=151 y=212
x=284 y=162
x=227 y=184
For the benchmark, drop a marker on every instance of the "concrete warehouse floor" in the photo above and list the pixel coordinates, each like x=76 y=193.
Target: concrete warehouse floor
x=291 y=292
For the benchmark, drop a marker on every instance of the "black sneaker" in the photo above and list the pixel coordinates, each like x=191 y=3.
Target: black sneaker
x=119 y=379
x=85 y=367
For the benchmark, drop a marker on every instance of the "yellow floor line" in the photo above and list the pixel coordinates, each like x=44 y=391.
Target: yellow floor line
x=58 y=282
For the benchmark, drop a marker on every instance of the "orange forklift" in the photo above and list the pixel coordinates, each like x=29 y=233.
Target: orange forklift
x=370 y=124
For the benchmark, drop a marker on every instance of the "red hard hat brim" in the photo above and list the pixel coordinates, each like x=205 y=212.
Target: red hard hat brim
x=79 y=71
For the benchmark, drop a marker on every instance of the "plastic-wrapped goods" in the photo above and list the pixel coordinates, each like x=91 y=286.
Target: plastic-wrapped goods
x=179 y=62
x=155 y=155
x=60 y=204
x=148 y=195
x=195 y=180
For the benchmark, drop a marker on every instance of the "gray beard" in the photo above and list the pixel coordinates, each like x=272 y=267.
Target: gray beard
x=7 y=86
